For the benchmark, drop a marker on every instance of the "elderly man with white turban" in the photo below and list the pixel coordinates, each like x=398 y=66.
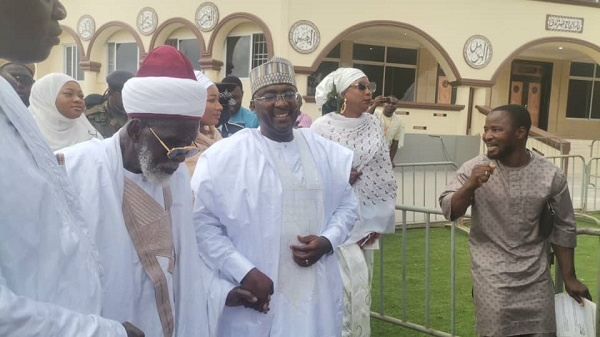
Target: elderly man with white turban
x=346 y=94
x=271 y=206
x=139 y=205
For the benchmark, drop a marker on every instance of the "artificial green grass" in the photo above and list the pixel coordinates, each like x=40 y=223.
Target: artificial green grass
x=586 y=262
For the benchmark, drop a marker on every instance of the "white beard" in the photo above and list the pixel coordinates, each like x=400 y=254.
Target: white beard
x=151 y=171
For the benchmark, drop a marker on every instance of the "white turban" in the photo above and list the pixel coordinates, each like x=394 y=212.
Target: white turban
x=341 y=78
x=202 y=79
x=164 y=97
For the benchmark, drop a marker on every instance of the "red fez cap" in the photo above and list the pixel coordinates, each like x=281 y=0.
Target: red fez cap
x=166 y=61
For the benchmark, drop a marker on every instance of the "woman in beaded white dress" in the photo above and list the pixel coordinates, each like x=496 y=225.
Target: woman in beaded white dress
x=346 y=95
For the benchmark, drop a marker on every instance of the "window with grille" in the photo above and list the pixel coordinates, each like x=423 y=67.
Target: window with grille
x=393 y=69
x=122 y=56
x=72 y=67
x=244 y=53
x=329 y=64
x=584 y=91
x=189 y=47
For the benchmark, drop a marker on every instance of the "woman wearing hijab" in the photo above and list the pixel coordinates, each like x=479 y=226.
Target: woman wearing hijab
x=208 y=133
x=57 y=106
x=345 y=95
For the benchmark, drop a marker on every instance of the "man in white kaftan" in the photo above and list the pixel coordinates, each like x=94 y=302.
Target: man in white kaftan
x=271 y=205
x=49 y=270
x=138 y=201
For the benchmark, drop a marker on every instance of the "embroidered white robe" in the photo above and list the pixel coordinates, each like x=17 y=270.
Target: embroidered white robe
x=96 y=169
x=238 y=217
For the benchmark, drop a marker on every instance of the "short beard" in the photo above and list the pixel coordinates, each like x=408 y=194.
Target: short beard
x=150 y=170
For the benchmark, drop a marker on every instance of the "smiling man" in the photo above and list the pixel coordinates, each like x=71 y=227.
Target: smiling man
x=507 y=189
x=271 y=206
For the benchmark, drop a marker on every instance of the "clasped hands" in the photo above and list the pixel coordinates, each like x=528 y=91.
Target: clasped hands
x=256 y=288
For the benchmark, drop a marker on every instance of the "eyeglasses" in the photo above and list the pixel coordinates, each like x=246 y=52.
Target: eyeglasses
x=187 y=151
x=363 y=86
x=290 y=97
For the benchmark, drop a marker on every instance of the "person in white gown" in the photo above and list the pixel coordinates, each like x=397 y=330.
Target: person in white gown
x=139 y=203
x=271 y=205
x=49 y=270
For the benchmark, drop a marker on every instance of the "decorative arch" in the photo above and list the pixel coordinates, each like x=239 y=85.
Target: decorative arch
x=229 y=22
x=435 y=47
x=77 y=39
x=168 y=27
x=585 y=46
x=106 y=30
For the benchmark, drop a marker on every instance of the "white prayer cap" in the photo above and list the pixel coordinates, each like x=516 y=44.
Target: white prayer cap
x=340 y=80
x=202 y=79
x=164 y=97
x=275 y=71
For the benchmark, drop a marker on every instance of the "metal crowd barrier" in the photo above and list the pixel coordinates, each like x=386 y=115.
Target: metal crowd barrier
x=594 y=149
x=420 y=184
x=426 y=328
x=593 y=185
x=583 y=179
x=575 y=168
x=403 y=321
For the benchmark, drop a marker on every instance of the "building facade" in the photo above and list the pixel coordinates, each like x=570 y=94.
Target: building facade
x=447 y=61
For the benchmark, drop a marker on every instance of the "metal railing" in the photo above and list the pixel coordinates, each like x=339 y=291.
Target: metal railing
x=403 y=321
x=574 y=167
x=594 y=149
x=593 y=185
x=426 y=328
x=420 y=184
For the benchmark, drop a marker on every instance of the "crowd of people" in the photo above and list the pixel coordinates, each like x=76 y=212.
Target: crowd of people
x=104 y=233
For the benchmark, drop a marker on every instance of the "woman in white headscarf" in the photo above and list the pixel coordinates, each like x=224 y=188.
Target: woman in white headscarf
x=57 y=105
x=208 y=133
x=345 y=95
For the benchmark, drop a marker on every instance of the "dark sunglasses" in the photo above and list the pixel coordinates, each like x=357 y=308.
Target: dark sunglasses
x=363 y=86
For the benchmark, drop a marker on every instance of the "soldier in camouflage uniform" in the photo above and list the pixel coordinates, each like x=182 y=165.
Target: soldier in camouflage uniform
x=109 y=116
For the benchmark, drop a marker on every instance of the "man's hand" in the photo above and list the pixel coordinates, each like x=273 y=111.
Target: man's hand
x=354 y=175
x=379 y=100
x=132 y=330
x=577 y=290
x=238 y=297
x=261 y=286
x=314 y=247
x=480 y=175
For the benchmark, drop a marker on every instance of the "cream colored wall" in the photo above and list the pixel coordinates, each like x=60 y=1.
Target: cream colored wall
x=494 y=20
x=450 y=23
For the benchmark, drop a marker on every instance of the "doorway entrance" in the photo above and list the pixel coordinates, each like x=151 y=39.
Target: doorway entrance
x=530 y=84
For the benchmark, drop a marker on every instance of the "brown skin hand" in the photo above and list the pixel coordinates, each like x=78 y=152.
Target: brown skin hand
x=312 y=249
x=259 y=284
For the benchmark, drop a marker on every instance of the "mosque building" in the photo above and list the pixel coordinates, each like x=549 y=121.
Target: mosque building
x=447 y=61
